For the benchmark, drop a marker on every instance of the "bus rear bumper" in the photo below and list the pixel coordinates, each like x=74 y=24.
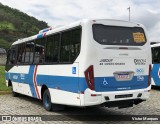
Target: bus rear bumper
x=115 y=98
x=122 y=103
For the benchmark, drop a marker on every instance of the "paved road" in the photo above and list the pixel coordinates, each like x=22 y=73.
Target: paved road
x=23 y=105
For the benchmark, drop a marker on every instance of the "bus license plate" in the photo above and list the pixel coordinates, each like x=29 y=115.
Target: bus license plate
x=123 y=76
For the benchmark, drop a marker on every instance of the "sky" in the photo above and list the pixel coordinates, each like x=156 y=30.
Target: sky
x=62 y=12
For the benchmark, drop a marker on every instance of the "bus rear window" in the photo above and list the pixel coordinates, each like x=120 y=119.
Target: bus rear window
x=116 y=35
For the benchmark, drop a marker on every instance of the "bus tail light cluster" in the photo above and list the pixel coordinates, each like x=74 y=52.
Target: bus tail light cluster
x=149 y=75
x=89 y=75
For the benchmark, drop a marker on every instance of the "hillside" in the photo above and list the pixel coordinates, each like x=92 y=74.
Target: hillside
x=15 y=24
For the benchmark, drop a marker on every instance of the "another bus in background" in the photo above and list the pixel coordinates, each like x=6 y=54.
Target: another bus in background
x=155 y=47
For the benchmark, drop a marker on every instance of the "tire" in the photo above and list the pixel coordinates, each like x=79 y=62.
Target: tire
x=47 y=100
x=14 y=94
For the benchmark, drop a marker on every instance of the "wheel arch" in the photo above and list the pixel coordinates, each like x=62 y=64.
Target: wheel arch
x=9 y=83
x=44 y=87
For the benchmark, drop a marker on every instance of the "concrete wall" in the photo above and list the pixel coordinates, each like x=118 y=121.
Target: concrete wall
x=3 y=58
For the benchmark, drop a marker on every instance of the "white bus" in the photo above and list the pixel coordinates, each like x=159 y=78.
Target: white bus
x=87 y=63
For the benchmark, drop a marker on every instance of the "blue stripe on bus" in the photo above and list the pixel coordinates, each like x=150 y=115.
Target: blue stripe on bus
x=155 y=74
x=76 y=85
x=70 y=84
x=60 y=82
x=39 y=35
x=26 y=79
x=29 y=80
x=111 y=84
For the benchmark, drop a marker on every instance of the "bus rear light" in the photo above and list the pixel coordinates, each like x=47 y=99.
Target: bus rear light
x=89 y=75
x=81 y=92
x=93 y=94
x=149 y=75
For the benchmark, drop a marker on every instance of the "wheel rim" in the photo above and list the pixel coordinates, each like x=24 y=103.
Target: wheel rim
x=46 y=101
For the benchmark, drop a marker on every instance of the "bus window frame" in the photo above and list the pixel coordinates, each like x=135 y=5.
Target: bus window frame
x=44 y=52
x=48 y=63
x=61 y=63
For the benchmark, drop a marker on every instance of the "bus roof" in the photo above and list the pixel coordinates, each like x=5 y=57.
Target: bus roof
x=54 y=30
x=65 y=27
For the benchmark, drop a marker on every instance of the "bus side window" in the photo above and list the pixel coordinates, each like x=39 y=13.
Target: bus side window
x=49 y=49
x=11 y=56
x=21 y=52
x=29 y=52
x=40 y=48
x=70 y=45
x=65 y=51
x=52 y=48
x=75 y=44
x=65 y=47
x=156 y=55
x=56 y=48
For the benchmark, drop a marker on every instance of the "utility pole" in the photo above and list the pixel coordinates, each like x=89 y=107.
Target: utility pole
x=129 y=9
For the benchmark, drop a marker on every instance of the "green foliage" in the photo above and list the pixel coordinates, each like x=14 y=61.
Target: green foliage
x=15 y=24
x=6 y=25
x=3 y=86
x=4 y=44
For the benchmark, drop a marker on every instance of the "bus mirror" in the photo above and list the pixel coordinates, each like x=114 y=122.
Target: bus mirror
x=3 y=56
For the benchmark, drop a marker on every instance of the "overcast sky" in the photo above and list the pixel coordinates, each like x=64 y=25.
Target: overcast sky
x=60 y=12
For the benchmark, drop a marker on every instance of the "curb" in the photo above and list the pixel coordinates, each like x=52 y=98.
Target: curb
x=5 y=92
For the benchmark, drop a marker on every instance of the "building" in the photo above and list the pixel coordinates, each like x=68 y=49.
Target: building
x=2 y=51
x=3 y=56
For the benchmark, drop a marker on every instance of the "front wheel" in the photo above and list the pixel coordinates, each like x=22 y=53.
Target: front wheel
x=14 y=94
x=47 y=100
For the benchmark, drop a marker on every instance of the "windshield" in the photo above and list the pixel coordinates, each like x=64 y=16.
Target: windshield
x=116 y=35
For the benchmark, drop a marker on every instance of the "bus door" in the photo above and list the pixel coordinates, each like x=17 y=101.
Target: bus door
x=26 y=66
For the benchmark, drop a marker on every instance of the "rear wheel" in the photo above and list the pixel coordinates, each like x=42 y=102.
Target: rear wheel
x=47 y=100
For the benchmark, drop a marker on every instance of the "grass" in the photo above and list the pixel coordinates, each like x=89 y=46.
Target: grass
x=3 y=86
